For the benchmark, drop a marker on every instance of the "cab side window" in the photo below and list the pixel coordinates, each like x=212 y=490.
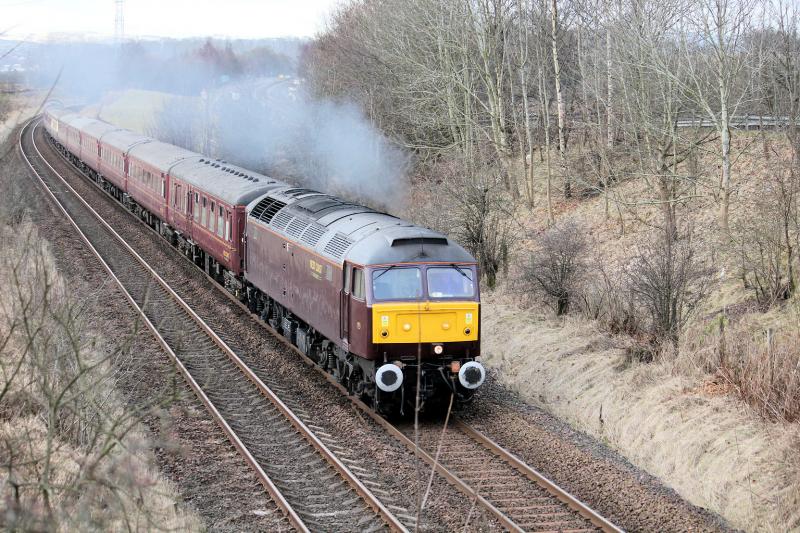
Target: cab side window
x=358 y=283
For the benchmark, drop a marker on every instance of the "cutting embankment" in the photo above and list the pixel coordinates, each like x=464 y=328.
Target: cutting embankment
x=716 y=416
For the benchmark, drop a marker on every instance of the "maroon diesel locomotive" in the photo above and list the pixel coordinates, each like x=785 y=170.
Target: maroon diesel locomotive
x=377 y=301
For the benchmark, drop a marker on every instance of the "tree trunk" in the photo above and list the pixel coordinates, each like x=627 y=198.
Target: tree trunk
x=562 y=148
x=725 y=141
x=546 y=114
x=609 y=95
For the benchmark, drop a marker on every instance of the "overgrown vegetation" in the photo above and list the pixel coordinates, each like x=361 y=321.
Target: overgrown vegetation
x=557 y=267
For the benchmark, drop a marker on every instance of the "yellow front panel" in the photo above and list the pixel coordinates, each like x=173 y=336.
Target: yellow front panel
x=413 y=322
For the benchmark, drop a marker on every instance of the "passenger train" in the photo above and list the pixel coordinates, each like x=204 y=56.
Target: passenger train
x=391 y=309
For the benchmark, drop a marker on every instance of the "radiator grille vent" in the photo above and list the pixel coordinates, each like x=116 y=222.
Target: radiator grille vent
x=313 y=234
x=266 y=209
x=337 y=246
x=282 y=220
x=297 y=226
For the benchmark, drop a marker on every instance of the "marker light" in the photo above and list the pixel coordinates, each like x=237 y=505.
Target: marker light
x=438 y=349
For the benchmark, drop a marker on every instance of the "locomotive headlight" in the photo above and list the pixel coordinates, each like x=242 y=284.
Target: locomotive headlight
x=438 y=349
x=472 y=375
x=389 y=377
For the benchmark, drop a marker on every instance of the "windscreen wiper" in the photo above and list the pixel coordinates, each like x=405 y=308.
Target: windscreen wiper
x=460 y=271
x=376 y=278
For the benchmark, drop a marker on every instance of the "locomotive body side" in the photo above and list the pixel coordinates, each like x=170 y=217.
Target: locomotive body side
x=304 y=282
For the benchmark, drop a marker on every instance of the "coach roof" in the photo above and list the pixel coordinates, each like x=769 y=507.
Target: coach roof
x=123 y=140
x=161 y=155
x=236 y=185
x=98 y=128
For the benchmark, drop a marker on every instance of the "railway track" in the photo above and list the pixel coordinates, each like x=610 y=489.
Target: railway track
x=521 y=498
x=517 y=496
x=315 y=489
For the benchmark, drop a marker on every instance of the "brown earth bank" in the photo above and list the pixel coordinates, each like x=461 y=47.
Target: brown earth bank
x=690 y=432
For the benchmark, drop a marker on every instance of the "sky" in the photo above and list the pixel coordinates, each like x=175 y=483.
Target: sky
x=40 y=19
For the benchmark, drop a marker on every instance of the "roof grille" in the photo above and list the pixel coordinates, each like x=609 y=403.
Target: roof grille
x=266 y=209
x=313 y=234
x=282 y=220
x=402 y=241
x=297 y=226
x=299 y=192
x=337 y=246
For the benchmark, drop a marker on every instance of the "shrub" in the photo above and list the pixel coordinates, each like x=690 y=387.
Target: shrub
x=768 y=240
x=666 y=284
x=607 y=299
x=557 y=266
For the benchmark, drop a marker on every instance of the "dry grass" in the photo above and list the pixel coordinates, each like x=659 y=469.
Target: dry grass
x=759 y=362
x=721 y=430
x=71 y=455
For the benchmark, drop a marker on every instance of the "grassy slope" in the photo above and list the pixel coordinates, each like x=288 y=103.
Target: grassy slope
x=669 y=418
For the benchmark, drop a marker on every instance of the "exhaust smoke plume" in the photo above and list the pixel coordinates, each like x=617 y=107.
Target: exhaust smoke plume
x=238 y=102
x=321 y=144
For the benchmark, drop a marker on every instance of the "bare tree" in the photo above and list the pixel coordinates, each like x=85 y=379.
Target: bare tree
x=557 y=266
x=560 y=105
x=712 y=42
x=665 y=279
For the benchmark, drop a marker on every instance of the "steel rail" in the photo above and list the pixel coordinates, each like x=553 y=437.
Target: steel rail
x=540 y=479
x=370 y=499
x=584 y=510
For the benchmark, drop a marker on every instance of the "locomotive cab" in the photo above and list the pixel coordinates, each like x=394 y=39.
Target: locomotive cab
x=425 y=317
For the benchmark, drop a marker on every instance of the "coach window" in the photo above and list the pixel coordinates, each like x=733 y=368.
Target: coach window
x=228 y=226
x=163 y=188
x=220 y=222
x=212 y=216
x=203 y=213
x=196 y=207
x=358 y=284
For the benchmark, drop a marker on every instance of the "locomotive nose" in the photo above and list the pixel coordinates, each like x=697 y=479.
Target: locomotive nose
x=472 y=375
x=389 y=377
